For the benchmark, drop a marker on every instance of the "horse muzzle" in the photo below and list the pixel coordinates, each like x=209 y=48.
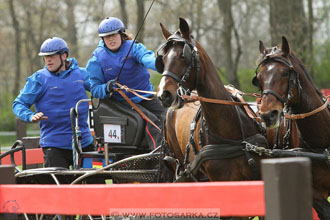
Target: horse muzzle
x=166 y=98
x=271 y=118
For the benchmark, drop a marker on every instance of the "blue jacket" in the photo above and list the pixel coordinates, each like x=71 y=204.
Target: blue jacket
x=55 y=95
x=105 y=65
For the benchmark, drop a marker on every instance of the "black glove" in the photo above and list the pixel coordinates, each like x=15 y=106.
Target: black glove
x=109 y=87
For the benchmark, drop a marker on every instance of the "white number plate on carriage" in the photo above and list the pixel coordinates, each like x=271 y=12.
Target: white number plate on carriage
x=112 y=133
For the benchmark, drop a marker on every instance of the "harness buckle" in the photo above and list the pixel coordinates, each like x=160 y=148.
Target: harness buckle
x=181 y=91
x=192 y=126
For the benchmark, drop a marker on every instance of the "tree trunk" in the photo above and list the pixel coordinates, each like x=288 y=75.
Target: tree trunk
x=287 y=18
x=17 y=32
x=199 y=18
x=228 y=27
x=140 y=12
x=310 y=57
x=32 y=46
x=71 y=29
x=123 y=12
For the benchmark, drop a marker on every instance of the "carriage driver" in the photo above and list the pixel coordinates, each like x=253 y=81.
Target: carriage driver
x=105 y=65
x=53 y=91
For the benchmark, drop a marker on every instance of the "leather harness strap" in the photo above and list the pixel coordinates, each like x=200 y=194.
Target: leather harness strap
x=235 y=93
x=136 y=107
x=304 y=115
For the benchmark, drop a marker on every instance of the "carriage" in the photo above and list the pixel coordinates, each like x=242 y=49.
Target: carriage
x=122 y=154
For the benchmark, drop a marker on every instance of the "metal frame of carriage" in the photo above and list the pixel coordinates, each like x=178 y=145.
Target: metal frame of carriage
x=120 y=167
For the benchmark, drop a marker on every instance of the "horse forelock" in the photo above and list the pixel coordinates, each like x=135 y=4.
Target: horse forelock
x=176 y=37
x=269 y=52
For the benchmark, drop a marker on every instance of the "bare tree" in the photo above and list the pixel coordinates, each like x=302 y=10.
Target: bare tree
x=31 y=43
x=71 y=28
x=229 y=27
x=287 y=18
x=123 y=12
x=140 y=12
x=17 y=31
x=310 y=55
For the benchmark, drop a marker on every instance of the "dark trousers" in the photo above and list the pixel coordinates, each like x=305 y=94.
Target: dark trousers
x=57 y=157
x=154 y=110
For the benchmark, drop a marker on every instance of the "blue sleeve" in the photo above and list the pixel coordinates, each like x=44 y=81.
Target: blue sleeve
x=27 y=97
x=144 y=56
x=86 y=78
x=96 y=78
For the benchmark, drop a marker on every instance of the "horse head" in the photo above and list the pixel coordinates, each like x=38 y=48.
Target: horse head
x=178 y=61
x=278 y=80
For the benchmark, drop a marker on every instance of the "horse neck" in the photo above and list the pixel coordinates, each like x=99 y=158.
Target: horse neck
x=221 y=120
x=316 y=128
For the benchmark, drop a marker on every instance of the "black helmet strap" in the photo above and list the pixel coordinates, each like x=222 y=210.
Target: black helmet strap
x=62 y=63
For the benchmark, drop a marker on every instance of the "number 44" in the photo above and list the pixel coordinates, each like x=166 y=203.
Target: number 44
x=112 y=133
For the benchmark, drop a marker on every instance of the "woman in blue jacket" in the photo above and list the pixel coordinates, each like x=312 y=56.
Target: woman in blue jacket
x=53 y=91
x=106 y=62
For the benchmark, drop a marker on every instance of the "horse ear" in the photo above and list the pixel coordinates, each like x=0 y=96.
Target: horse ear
x=166 y=33
x=262 y=48
x=285 y=46
x=184 y=28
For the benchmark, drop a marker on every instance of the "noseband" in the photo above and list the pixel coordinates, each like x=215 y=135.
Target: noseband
x=294 y=79
x=191 y=57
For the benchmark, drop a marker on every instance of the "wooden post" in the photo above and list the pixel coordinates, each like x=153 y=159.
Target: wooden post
x=7 y=174
x=7 y=177
x=30 y=143
x=288 y=188
x=20 y=129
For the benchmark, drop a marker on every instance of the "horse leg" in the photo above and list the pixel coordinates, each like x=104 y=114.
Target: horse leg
x=322 y=207
x=166 y=172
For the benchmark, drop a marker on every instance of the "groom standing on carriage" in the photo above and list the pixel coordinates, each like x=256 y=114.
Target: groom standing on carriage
x=53 y=91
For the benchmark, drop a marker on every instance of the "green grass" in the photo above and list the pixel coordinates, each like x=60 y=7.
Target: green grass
x=7 y=141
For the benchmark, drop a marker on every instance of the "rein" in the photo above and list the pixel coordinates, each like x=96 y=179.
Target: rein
x=305 y=115
x=236 y=93
x=119 y=90
x=142 y=23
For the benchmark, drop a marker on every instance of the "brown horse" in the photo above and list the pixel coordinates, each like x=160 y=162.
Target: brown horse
x=223 y=128
x=288 y=89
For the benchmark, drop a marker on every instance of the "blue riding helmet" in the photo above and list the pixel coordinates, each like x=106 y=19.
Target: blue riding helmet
x=111 y=26
x=52 y=46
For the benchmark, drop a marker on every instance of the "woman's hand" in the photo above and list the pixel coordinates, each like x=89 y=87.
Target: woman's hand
x=38 y=117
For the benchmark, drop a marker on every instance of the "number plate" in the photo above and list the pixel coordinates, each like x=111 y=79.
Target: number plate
x=112 y=133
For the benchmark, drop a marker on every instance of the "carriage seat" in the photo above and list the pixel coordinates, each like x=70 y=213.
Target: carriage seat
x=132 y=126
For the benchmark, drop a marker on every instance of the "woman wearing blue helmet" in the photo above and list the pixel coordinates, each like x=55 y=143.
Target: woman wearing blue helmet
x=53 y=91
x=106 y=63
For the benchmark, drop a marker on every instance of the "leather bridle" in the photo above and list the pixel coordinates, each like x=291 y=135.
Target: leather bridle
x=191 y=57
x=293 y=80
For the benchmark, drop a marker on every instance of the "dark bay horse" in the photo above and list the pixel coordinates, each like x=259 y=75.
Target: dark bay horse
x=287 y=89
x=222 y=129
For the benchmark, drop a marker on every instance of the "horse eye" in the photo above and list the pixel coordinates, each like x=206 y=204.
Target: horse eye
x=285 y=74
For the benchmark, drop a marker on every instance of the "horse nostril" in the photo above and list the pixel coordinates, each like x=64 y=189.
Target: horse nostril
x=270 y=118
x=273 y=114
x=166 y=98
